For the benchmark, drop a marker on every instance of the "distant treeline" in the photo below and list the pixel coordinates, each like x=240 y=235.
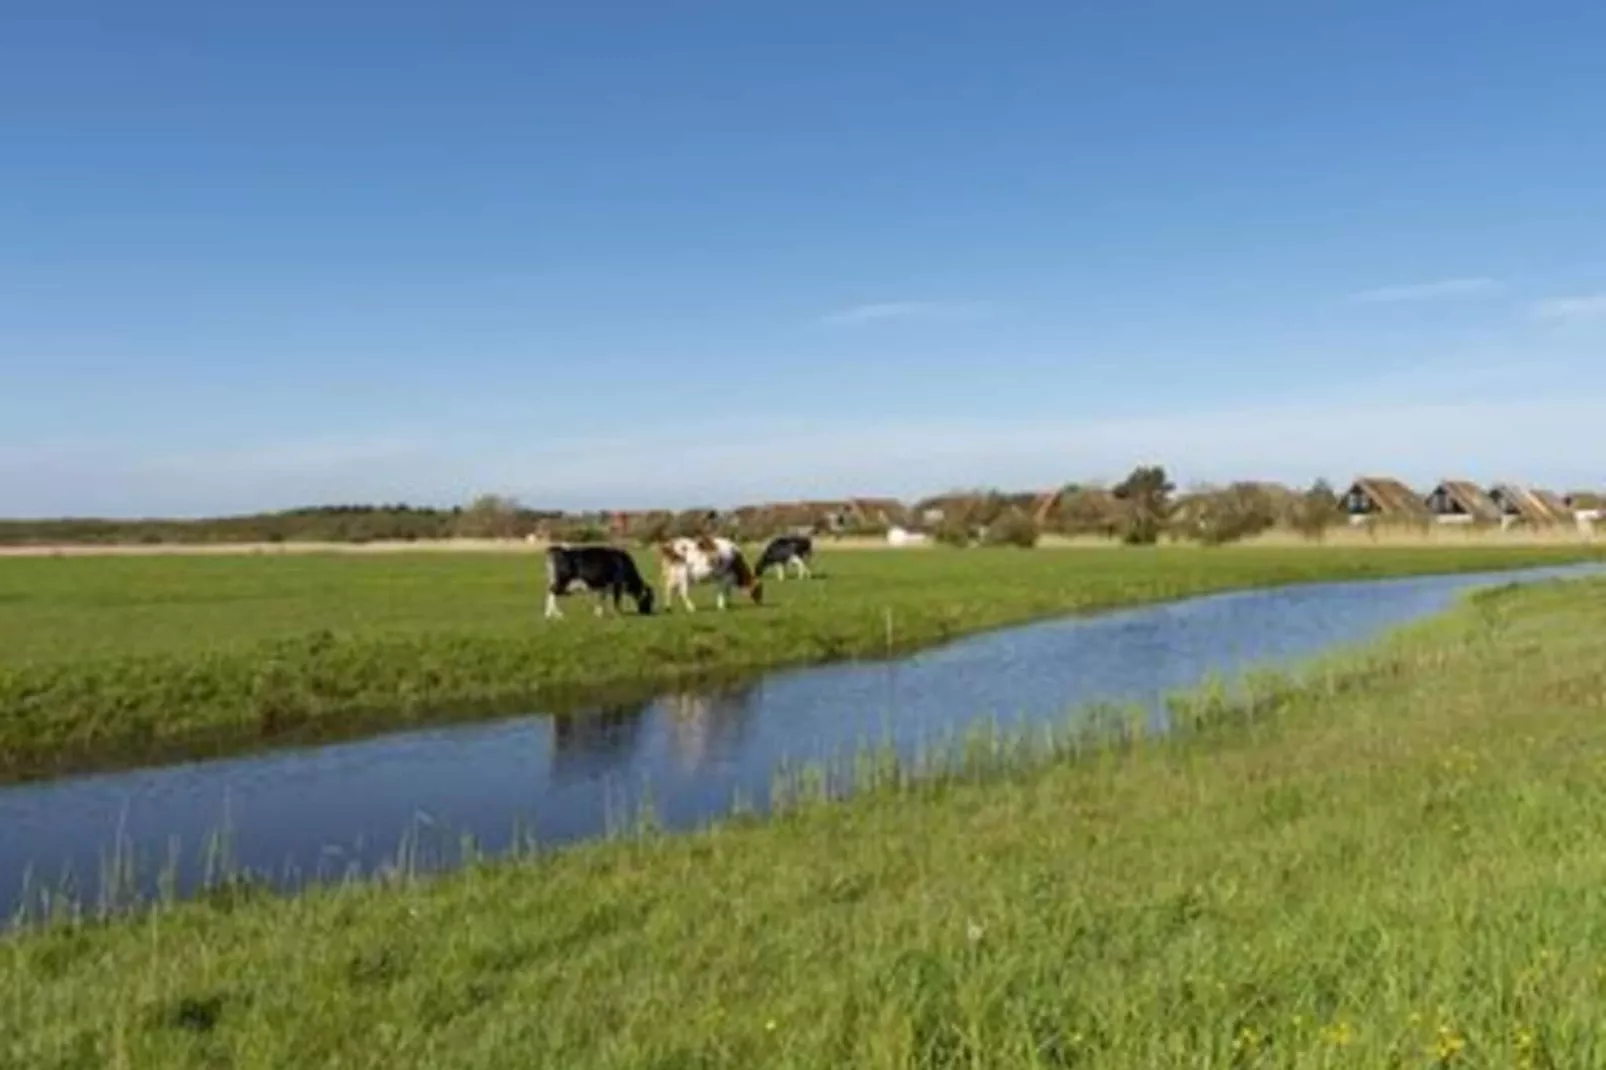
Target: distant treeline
x=1140 y=509
x=489 y=518
x=1143 y=508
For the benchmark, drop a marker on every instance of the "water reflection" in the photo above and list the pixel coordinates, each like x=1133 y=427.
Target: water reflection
x=591 y=743
x=708 y=727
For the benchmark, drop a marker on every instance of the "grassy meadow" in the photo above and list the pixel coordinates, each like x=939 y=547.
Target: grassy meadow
x=121 y=658
x=1394 y=858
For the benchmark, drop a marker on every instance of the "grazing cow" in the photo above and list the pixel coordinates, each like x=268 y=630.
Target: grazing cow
x=607 y=570
x=689 y=561
x=785 y=550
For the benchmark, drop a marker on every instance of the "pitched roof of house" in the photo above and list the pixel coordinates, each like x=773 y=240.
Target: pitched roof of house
x=796 y=506
x=958 y=497
x=1535 y=506
x=1046 y=502
x=1554 y=503
x=1390 y=496
x=1473 y=499
x=890 y=506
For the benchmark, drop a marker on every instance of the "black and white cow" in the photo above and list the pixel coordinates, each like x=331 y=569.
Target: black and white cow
x=606 y=570
x=784 y=550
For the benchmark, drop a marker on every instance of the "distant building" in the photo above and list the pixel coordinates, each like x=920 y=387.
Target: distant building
x=1461 y=501
x=875 y=512
x=1585 y=500
x=934 y=510
x=835 y=516
x=1381 y=498
x=1038 y=505
x=1528 y=506
x=1589 y=509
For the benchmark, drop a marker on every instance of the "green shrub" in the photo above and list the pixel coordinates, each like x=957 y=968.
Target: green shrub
x=1012 y=529
x=953 y=531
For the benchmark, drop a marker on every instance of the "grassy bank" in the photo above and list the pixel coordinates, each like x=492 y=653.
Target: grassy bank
x=119 y=658
x=1397 y=863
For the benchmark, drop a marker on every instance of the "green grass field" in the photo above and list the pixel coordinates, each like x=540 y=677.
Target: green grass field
x=116 y=659
x=1396 y=859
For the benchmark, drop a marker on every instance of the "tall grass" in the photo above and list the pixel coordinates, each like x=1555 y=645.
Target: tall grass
x=1391 y=859
x=109 y=660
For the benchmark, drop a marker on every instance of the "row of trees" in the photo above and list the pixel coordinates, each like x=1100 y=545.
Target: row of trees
x=486 y=518
x=1143 y=508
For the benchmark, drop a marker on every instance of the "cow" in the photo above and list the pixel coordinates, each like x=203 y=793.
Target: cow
x=784 y=550
x=688 y=561
x=606 y=570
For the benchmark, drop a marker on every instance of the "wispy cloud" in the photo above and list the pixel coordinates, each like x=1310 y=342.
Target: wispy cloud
x=1426 y=291
x=904 y=310
x=1570 y=309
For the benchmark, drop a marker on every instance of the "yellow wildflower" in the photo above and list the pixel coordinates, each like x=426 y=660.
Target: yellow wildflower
x=1450 y=1043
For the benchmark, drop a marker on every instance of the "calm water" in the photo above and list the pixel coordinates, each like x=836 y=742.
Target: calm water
x=327 y=811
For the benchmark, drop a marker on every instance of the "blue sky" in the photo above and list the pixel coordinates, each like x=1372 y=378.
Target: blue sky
x=255 y=256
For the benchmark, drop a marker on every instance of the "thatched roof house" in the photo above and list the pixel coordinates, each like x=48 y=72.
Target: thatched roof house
x=1584 y=500
x=1038 y=505
x=1044 y=505
x=1462 y=501
x=1382 y=498
x=937 y=503
x=1554 y=502
x=980 y=512
x=829 y=515
x=1588 y=508
x=878 y=510
x=1530 y=506
x=938 y=507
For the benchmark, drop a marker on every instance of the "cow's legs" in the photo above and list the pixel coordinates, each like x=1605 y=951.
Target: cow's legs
x=552 y=609
x=678 y=584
